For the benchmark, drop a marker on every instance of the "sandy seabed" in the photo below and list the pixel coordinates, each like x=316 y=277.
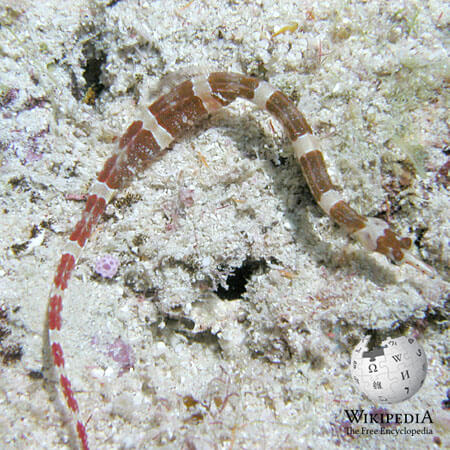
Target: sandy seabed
x=163 y=355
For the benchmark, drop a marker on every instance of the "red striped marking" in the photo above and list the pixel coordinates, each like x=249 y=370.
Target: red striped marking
x=64 y=270
x=108 y=167
x=347 y=217
x=178 y=110
x=58 y=356
x=143 y=148
x=316 y=174
x=285 y=111
x=226 y=87
x=131 y=132
x=81 y=430
x=115 y=172
x=54 y=314
x=390 y=245
x=68 y=393
x=91 y=215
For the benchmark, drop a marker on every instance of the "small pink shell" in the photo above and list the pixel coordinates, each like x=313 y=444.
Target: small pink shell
x=106 y=266
x=122 y=353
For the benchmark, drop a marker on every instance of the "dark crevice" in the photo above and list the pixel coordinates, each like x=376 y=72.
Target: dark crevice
x=36 y=374
x=420 y=234
x=10 y=351
x=238 y=279
x=446 y=402
x=180 y=324
x=184 y=326
x=92 y=71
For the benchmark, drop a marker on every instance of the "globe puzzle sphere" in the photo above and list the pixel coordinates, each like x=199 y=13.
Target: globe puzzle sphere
x=391 y=373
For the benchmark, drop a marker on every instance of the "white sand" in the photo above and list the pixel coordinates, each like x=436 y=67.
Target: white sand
x=270 y=369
